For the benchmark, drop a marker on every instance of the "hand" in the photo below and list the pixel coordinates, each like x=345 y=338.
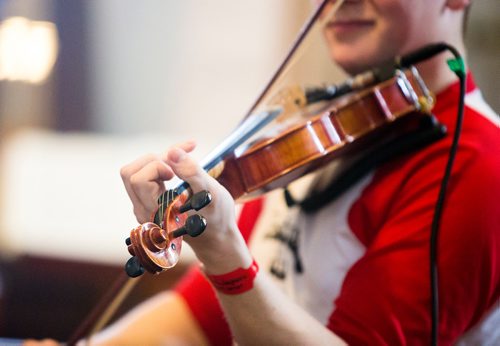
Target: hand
x=44 y=342
x=144 y=181
x=221 y=247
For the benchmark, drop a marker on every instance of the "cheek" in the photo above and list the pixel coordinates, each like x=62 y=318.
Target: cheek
x=391 y=33
x=390 y=36
x=395 y=25
x=408 y=24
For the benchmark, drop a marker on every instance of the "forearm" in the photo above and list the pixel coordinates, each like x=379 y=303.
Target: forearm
x=163 y=319
x=264 y=315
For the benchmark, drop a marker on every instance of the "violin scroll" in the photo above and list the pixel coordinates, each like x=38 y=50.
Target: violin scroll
x=156 y=249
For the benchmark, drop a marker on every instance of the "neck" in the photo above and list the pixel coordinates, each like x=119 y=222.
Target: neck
x=436 y=73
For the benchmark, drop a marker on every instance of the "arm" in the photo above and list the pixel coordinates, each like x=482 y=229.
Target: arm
x=163 y=319
x=264 y=315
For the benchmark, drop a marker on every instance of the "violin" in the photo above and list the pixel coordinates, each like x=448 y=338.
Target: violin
x=344 y=127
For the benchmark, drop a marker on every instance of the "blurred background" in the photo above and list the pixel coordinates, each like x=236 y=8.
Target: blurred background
x=87 y=86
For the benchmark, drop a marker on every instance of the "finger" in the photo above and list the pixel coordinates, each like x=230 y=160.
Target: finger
x=44 y=342
x=187 y=169
x=127 y=171
x=147 y=185
x=187 y=146
x=136 y=165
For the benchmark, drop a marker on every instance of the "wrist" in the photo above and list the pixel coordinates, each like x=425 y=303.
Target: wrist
x=237 y=281
x=222 y=261
x=223 y=255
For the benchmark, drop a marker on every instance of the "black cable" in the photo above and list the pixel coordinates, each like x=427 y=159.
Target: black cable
x=457 y=66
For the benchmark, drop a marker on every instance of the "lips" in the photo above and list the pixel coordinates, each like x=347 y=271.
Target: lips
x=349 y=25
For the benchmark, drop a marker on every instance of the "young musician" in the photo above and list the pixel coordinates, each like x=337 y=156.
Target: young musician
x=360 y=272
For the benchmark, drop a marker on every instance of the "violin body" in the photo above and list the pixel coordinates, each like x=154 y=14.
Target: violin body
x=345 y=127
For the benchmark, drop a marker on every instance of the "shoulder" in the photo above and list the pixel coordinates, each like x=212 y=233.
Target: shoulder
x=477 y=104
x=407 y=187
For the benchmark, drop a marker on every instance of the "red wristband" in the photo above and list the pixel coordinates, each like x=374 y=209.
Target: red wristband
x=238 y=281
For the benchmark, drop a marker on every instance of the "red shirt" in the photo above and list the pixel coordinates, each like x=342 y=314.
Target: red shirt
x=384 y=297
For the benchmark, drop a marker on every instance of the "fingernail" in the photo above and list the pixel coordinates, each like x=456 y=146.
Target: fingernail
x=176 y=155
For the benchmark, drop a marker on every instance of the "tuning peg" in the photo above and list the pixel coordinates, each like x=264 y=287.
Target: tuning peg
x=197 y=201
x=133 y=267
x=194 y=226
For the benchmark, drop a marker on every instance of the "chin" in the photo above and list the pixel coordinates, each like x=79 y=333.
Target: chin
x=357 y=60
x=351 y=65
x=352 y=58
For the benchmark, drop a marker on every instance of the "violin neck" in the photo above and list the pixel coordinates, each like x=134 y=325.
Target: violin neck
x=246 y=129
x=213 y=163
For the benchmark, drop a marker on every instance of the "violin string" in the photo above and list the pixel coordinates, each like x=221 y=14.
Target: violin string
x=157 y=213
x=169 y=200
x=169 y=194
x=162 y=209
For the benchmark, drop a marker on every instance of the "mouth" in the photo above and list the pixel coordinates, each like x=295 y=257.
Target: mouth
x=345 y=26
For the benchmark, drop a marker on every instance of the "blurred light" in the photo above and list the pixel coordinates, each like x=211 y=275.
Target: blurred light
x=28 y=49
